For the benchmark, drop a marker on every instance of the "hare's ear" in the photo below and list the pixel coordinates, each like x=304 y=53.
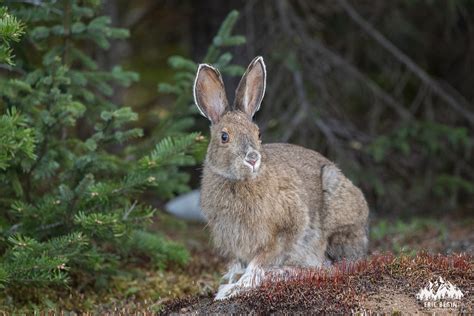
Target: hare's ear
x=251 y=89
x=209 y=93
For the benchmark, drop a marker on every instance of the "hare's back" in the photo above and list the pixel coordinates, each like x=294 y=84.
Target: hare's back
x=283 y=159
x=305 y=161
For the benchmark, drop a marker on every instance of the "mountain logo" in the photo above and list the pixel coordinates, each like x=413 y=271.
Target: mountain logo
x=439 y=290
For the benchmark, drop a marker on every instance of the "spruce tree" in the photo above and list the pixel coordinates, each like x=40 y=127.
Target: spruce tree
x=69 y=202
x=11 y=30
x=71 y=173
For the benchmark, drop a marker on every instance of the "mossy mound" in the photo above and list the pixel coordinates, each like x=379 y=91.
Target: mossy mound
x=382 y=283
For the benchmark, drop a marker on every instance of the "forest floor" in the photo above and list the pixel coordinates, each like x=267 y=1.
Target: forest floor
x=404 y=256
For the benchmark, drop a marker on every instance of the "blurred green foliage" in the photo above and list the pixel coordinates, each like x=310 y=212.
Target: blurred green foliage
x=401 y=234
x=427 y=140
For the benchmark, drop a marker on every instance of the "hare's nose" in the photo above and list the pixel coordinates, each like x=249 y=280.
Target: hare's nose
x=252 y=157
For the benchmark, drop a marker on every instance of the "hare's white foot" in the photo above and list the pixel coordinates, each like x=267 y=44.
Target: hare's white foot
x=235 y=271
x=225 y=291
x=252 y=277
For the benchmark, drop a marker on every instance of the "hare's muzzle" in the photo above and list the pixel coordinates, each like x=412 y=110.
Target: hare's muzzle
x=252 y=159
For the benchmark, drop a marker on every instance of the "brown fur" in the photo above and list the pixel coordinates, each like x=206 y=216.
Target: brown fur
x=297 y=208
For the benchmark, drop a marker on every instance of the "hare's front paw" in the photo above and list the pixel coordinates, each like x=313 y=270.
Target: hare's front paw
x=252 y=277
x=226 y=291
x=235 y=271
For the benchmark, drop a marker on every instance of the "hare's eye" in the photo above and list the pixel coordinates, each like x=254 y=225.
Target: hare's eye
x=224 y=137
x=259 y=135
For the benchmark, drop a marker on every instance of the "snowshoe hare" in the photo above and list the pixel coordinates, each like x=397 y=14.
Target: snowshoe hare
x=274 y=204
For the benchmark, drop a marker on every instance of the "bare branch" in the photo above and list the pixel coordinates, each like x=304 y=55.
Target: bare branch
x=436 y=88
x=312 y=43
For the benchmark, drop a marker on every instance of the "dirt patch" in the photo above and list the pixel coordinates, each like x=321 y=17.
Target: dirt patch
x=392 y=302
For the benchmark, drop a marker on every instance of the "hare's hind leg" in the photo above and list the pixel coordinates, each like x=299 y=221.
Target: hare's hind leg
x=348 y=243
x=345 y=216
